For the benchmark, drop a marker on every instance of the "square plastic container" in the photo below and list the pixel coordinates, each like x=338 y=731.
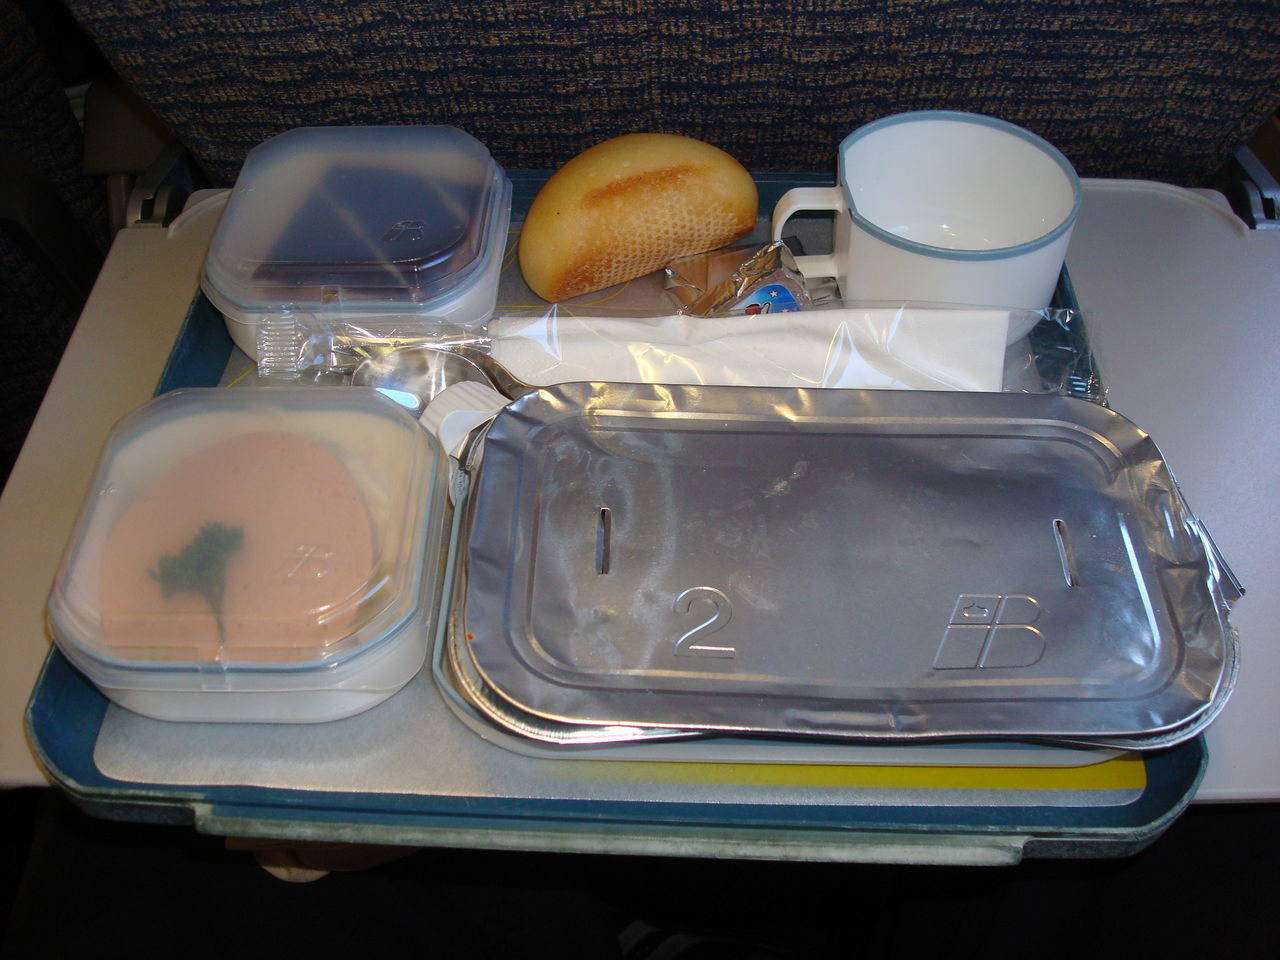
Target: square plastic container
x=262 y=554
x=361 y=223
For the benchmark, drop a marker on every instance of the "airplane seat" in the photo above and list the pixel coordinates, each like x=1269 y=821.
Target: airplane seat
x=1164 y=90
x=53 y=225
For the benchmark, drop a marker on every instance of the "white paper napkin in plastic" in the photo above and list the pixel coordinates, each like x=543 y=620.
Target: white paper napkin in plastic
x=923 y=348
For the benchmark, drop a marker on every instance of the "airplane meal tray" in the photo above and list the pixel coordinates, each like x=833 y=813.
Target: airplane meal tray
x=414 y=770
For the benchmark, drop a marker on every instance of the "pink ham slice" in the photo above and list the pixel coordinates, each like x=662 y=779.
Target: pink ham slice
x=294 y=587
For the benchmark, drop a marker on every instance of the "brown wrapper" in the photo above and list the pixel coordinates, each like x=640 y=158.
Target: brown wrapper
x=738 y=279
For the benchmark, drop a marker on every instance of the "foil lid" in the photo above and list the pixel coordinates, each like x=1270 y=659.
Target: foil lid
x=831 y=563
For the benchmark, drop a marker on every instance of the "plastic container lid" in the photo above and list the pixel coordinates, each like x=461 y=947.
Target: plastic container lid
x=384 y=217
x=251 y=539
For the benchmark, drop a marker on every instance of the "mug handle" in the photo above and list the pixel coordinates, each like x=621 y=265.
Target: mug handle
x=809 y=198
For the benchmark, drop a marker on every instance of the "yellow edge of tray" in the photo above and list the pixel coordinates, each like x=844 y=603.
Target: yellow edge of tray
x=1119 y=773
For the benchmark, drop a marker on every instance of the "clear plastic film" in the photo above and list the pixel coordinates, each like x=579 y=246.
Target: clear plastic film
x=737 y=316
x=894 y=346
x=741 y=279
x=300 y=347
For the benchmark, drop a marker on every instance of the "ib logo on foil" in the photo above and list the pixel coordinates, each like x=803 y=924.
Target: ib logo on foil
x=991 y=631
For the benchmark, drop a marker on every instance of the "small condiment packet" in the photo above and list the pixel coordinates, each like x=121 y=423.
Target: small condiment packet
x=742 y=279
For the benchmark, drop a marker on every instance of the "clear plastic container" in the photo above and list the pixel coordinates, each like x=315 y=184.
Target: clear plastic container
x=361 y=223
x=256 y=555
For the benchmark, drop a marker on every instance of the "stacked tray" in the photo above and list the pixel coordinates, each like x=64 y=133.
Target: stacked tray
x=644 y=562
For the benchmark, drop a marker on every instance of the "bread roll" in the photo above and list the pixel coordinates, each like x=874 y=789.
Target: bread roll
x=629 y=206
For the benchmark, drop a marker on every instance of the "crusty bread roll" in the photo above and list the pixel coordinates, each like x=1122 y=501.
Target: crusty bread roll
x=629 y=206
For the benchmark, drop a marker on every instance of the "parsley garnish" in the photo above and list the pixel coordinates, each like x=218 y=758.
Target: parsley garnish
x=201 y=566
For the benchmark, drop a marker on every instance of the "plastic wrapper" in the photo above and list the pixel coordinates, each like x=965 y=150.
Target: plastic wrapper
x=739 y=279
x=888 y=346
x=303 y=348
x=841 y=346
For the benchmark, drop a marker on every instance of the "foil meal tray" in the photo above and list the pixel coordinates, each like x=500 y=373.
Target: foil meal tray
x=880 y=565
x=459 y=672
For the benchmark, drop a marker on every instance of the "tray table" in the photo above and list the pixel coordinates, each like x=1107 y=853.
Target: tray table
x=412 y=772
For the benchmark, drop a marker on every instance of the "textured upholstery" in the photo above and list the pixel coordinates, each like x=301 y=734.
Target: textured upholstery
x=1160 y=89
x=46 y=203
x=36 y=121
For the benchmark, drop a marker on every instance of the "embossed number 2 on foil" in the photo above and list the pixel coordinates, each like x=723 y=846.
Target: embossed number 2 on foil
x=691 y=644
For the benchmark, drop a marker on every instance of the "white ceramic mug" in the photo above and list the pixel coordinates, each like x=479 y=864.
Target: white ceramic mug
x=944 y=207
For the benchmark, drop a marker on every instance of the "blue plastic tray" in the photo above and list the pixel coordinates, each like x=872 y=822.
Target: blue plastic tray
x=943 y=816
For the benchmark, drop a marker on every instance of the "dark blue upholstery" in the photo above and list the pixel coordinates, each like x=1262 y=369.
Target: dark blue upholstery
x=53 y=226
x=1161 y=89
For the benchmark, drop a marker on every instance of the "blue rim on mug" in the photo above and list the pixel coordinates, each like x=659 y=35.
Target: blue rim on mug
x=949 y=253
